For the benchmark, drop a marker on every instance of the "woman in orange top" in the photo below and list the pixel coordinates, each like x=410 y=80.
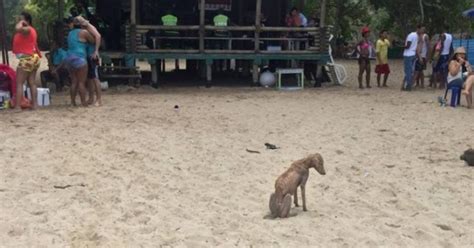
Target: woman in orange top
x=25 y=47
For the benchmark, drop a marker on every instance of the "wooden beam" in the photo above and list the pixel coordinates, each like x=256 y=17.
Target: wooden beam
x=133 y=26
x=3 y=35
x=133 y=12
x=289 y=29
x=323 y=13
x=202 y=19
x=258 y=26
x=162 y=27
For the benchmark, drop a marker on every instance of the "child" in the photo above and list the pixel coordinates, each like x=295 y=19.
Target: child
x=364 y=50
x=382 y=58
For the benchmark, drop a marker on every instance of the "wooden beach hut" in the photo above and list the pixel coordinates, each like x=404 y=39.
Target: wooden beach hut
x=256 y=33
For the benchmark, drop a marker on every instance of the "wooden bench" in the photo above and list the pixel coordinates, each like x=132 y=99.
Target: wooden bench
x=108 y=70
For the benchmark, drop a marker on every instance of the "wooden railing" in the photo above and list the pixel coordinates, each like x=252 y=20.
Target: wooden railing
x=316 y=39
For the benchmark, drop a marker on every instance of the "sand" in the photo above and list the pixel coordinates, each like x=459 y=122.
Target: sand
x=143 y=174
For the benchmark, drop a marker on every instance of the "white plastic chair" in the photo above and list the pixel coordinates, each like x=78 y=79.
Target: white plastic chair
x=337 y=72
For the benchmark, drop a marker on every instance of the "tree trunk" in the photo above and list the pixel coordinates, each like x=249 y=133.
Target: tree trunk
x=422 y=11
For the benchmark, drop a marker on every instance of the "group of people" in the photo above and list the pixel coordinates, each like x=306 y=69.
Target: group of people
x=450 y=67
x=80 y=60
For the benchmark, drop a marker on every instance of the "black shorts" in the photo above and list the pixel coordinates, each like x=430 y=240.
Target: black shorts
x=92 y=72
x=420 y=65
x=364 y=61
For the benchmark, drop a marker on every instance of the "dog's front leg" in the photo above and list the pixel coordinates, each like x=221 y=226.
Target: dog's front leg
x=295 y=200
x=304 y=197
x=303 y=194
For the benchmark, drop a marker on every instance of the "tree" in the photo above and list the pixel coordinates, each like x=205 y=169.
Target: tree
x=435 y=14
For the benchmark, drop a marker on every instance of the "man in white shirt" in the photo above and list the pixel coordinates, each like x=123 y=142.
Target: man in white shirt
x=441 y=67
x=409 y=56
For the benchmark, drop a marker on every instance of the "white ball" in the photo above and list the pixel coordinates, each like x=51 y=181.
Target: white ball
x=267 y=79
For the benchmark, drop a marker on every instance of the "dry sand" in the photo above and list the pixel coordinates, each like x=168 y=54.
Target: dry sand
x=146 y=175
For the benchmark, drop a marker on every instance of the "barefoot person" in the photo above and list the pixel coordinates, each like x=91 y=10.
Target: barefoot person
x=460 y=74
x=410 y=55
x=446 y=51
x=421 y=61
x=381 y=49
x=364 y=50
x=76 y=62
x=25 y=47
x=93 y=82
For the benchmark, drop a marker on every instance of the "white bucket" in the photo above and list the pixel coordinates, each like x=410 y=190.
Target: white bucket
x=104 y=85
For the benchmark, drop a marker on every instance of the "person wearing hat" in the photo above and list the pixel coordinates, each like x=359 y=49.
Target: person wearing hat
x=365 y=52
x=460 y=74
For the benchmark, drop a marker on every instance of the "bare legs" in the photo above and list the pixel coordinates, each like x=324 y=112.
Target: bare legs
x=385 y=78
x=468 y=90
x=94 y=88
x=78 y=82
x=364 y=66
x=21 y=77
x=420 y=79
x=33 y=89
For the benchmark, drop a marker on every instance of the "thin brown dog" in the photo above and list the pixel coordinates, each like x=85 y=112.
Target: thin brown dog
x=287 y=184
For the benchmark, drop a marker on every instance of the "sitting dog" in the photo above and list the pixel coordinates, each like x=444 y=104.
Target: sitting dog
x=287 y=184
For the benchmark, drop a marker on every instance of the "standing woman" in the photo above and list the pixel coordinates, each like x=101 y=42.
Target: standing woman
x=365 y=52
x=76 y=61
x=25 y=47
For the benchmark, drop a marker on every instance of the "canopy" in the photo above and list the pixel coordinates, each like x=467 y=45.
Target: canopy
x=469 y=13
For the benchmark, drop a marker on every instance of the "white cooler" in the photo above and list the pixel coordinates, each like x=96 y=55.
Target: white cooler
x=4 y=95
x=43 y=97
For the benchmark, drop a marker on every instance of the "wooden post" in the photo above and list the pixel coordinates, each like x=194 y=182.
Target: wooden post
x=3 y=35
x=258 y=26
x=202 y=31
x=323 y=13
x=133 y=26
x=133 y=12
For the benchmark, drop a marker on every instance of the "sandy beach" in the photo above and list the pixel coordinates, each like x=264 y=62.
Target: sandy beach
x=139 y=173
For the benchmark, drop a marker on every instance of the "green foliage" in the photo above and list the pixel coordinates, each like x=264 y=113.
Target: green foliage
x=347 y=16
x=405 y=14
x=44 y=13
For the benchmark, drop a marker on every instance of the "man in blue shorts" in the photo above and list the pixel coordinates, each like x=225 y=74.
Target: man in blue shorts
x=441 y=67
